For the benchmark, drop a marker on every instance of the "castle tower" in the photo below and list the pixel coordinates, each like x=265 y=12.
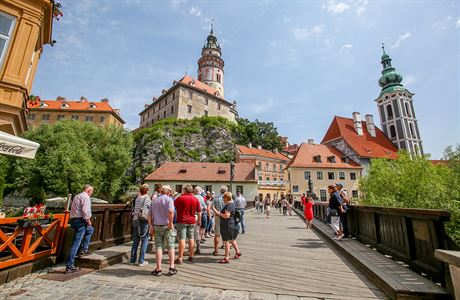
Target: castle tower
x=211 y=65
x=396 y=109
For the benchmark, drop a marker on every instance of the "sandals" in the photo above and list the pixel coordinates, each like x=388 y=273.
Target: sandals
x=179 y=261
x=172 y=271
x=215 y=253
x=237 y=255
x=156 y=273
x=190 y=258
x=223 y=261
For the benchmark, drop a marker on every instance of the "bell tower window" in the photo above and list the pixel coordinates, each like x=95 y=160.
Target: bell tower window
x=392 y=132
x=218 y=78
x=389 y=112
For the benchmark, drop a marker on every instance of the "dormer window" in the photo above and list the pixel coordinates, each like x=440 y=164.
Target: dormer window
x=92 y=105
x=217 y=94
x=191 y=82
x=331 y=159
x=221 y=170
x=346 y=159
x=183 y=170
x=43 y=104
x=317 y=158
x=65 y=105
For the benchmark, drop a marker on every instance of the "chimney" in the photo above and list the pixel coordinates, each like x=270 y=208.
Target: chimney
x=106 y=100
x=311 y=141
x=357 y=123
x=83 y=99
x=275 y=151
x=250 y=145
x=60 y=98
x=259 y=147
x=370 y=125
x=154 y=99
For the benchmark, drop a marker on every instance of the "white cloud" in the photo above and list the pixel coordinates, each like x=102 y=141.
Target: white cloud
x=303 y=33
x=360 y=7
x=287 y=20
x=400 y=39
x=335 y=7
x=409 y=79
x=457 y=23
x=195 y=11
x=176 y=3
x=346 y=46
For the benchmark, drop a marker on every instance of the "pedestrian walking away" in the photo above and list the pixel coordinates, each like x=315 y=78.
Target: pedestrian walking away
x=139 y=213
x=284 y=204
x=80 y=221
x=267 y=208
x=161 y=215
x=228 y=227
x=217 y=205
x=187 y=206
x=240 y=204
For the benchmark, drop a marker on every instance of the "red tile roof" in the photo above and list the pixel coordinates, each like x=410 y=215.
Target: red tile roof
x=291 y=149
x=202 y=171
x=73 y=105
x=199 y=85
x=365 y=145
x=305 y=157
x=437 y=162
x=261 y=152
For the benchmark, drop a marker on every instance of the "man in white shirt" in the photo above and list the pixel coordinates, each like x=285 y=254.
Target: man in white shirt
x=240 y=204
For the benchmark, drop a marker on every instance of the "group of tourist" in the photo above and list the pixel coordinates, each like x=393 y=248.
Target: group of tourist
x=337 y=210
x=168 y=218
x=264 y=205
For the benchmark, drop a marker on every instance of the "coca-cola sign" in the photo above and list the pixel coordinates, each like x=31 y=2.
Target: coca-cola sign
x=11 y=149
x=17 y=146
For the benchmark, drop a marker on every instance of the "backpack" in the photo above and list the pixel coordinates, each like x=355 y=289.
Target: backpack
x=237 y=217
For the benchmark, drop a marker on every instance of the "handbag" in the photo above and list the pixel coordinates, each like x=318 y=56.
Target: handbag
x=143 y=212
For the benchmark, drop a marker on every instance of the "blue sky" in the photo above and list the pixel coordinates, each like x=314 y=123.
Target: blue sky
x=294 y=63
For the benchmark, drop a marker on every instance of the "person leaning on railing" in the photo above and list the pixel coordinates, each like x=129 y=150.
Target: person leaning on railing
x=335 y=209
x=80 y=221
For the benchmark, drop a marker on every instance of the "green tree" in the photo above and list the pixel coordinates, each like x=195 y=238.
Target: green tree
x=413 y=183
x=258 y=133
x=72 y=154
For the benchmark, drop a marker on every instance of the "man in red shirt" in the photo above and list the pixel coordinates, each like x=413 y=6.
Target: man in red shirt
x=187 y=207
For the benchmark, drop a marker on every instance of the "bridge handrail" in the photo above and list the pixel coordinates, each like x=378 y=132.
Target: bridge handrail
x=409 y=235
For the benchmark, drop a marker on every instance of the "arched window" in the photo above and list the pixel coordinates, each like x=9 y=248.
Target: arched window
x=406 y=104
x=392 y=132
x=389 y=112
x=411 y=128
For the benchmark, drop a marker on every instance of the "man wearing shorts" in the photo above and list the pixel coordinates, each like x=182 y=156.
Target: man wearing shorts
x=187 y=206
x=218 y=203
x=161 y=225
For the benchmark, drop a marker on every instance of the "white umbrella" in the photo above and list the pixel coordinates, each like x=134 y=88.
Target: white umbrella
x=98 y=201
x=16 y=146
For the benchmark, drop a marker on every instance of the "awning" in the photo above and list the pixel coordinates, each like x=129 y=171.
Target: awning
x=16 y=146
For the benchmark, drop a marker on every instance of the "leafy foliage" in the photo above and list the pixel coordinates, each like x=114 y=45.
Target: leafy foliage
x=72 y=154
x=258 y=133
x=416 y=183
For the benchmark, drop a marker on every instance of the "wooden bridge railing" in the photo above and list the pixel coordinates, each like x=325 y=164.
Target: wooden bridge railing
x=408 y=235
x=22 y=242
x=112 y=225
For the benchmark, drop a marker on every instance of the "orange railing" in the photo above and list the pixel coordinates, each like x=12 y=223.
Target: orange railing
x=23 y=244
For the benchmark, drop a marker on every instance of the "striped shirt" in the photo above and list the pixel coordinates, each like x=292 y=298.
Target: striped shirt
x=218 y=202
x=81 y=206
x=140 y=200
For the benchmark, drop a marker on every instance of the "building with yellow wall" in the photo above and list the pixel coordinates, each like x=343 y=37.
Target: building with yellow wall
x=26 y=26
x=51 y=111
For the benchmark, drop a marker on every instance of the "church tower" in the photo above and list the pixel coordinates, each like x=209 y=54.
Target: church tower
x=396 y=109
x=211 y=65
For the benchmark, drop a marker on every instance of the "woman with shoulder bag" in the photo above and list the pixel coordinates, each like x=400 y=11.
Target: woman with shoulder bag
x=335 y=209
x=140 y=211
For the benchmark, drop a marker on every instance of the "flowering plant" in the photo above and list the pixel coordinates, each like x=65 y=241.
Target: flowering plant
x=34 y=100
x=57 y=13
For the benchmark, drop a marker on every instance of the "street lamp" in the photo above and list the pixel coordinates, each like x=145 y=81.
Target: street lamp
x=232 y=173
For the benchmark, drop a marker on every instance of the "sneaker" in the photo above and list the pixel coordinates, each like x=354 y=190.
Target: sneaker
x=340 y=237
x=132 y=263
x=156 y=273
x=197 y=251
x=172 y=271
x=143 y=264
x=71 y=270
x=84 y=253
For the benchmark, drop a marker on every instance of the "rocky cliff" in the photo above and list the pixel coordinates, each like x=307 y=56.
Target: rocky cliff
x=207 y=139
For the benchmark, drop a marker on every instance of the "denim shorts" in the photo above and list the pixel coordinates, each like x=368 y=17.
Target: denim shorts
x=163 y=238
x=185 y=231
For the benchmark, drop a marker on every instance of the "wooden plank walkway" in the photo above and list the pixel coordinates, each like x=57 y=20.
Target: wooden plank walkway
x=280 y=256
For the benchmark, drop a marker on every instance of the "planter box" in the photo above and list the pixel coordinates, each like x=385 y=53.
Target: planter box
x=30 y=223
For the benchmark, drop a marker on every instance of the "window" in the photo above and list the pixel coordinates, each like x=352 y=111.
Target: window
x=274 y=167
x=6 y=29
x=218 y=106
x=317 y=158
x=282 y=179
x=208 y=188
x=354 y=194
x=342 y=175
x=330 y=175
x=189 y=109
x=268 y=178
x=159 y=105
x=205 y=113
x=218 y=78
x=406 y=104
x=281 y=168
x=166 y=102
x=322 y=195
x=260 y=165
x=295 y=189
x=331 y=159
x=389 y=112
x=164 y=114
x=260 y=178
x=89 y=118
x=75 y=117
x=319 y=175
x=179 y=188
x=60 y=117
x=267 y=167
x=45 y=117
x=158 y=118
x=352 y=176
x=306 y=175
x=239 y=188
x=392 y=132
x=31 y=117
x=174 y=95
x=412 y=132
x=190 y=95
x=206 y=101
x=102 y=119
